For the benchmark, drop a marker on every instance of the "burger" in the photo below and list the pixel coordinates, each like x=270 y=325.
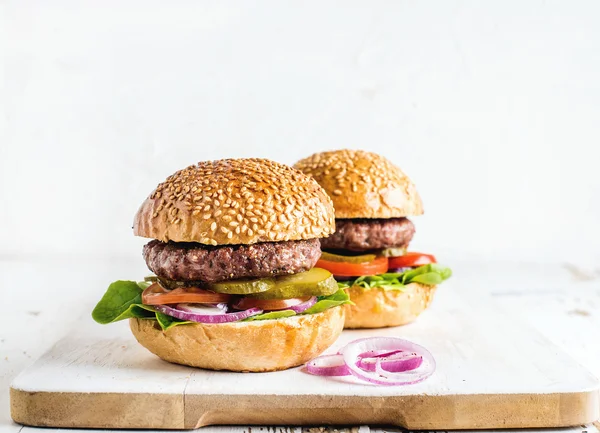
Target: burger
x=234 y=287
x=368 y=253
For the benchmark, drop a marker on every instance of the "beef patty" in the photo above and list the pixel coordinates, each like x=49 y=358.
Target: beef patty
x=369 y=234
x=181 y=261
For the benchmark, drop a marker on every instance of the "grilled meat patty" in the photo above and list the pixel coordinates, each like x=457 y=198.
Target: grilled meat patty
x=369 y=234
x=191 y=261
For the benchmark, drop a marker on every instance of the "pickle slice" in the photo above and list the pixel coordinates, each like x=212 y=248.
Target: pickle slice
x=243 y=287
x=393 y=252
x=316 y=282
x=171 y=284
x=365 y=258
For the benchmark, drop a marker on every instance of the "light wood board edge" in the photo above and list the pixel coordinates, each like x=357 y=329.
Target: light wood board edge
x=171 y=411
x=97 y=410
x=450 y=412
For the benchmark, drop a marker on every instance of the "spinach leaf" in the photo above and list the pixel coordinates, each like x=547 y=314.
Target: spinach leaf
x=121 y=301
x=167 y=322
x=431 y=275
x=271 y=315
x=326 y=302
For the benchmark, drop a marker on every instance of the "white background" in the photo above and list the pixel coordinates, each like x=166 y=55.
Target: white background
x=493 y=108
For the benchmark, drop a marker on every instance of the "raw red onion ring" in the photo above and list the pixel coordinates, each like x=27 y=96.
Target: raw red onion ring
x=208 y=314
x=201 y=308
x=394 y=362
x=383 y=377
x=304 y=306
x=378 y=360
x=328 y=365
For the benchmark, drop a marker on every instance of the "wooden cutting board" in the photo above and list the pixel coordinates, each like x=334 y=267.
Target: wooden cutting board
x=492 y=372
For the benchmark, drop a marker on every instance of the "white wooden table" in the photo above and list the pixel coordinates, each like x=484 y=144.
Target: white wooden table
x=43 y=299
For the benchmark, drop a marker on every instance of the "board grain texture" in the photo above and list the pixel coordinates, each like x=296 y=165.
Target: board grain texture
x=493 y=371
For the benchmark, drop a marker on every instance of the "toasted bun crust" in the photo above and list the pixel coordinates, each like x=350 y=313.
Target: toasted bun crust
x=363 y=184
x=378 y=308
x=263 y=345
x=236 y=201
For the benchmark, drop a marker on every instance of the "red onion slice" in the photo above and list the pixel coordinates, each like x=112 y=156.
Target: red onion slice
x=304 y=306
x=351 y=354
x=390 y=361
x=399 y=270
x=208 y=314
x=203 y=308
x=328 y=365
x=394 y=362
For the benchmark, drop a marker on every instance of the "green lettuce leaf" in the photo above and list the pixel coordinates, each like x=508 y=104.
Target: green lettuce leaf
x=326 y=302
x=123 y=300
x=167 y=322
x=430 y=275
x=271 y=315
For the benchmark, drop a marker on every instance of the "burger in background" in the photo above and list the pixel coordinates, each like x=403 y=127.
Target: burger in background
x=234 y=247
x=368 y=254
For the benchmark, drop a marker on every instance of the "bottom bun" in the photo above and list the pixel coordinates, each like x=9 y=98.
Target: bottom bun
x=262 y=345
x=378 y=308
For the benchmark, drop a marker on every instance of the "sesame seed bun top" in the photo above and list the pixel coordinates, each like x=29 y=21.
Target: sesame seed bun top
x=236 y=201
x=363 y=184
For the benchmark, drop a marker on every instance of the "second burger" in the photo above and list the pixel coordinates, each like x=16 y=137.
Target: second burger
x=367 y=254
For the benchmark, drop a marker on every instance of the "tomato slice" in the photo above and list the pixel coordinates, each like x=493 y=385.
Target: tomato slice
x=158 y=295
x=411 y=260
x=268 y=304
x=345 y=269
